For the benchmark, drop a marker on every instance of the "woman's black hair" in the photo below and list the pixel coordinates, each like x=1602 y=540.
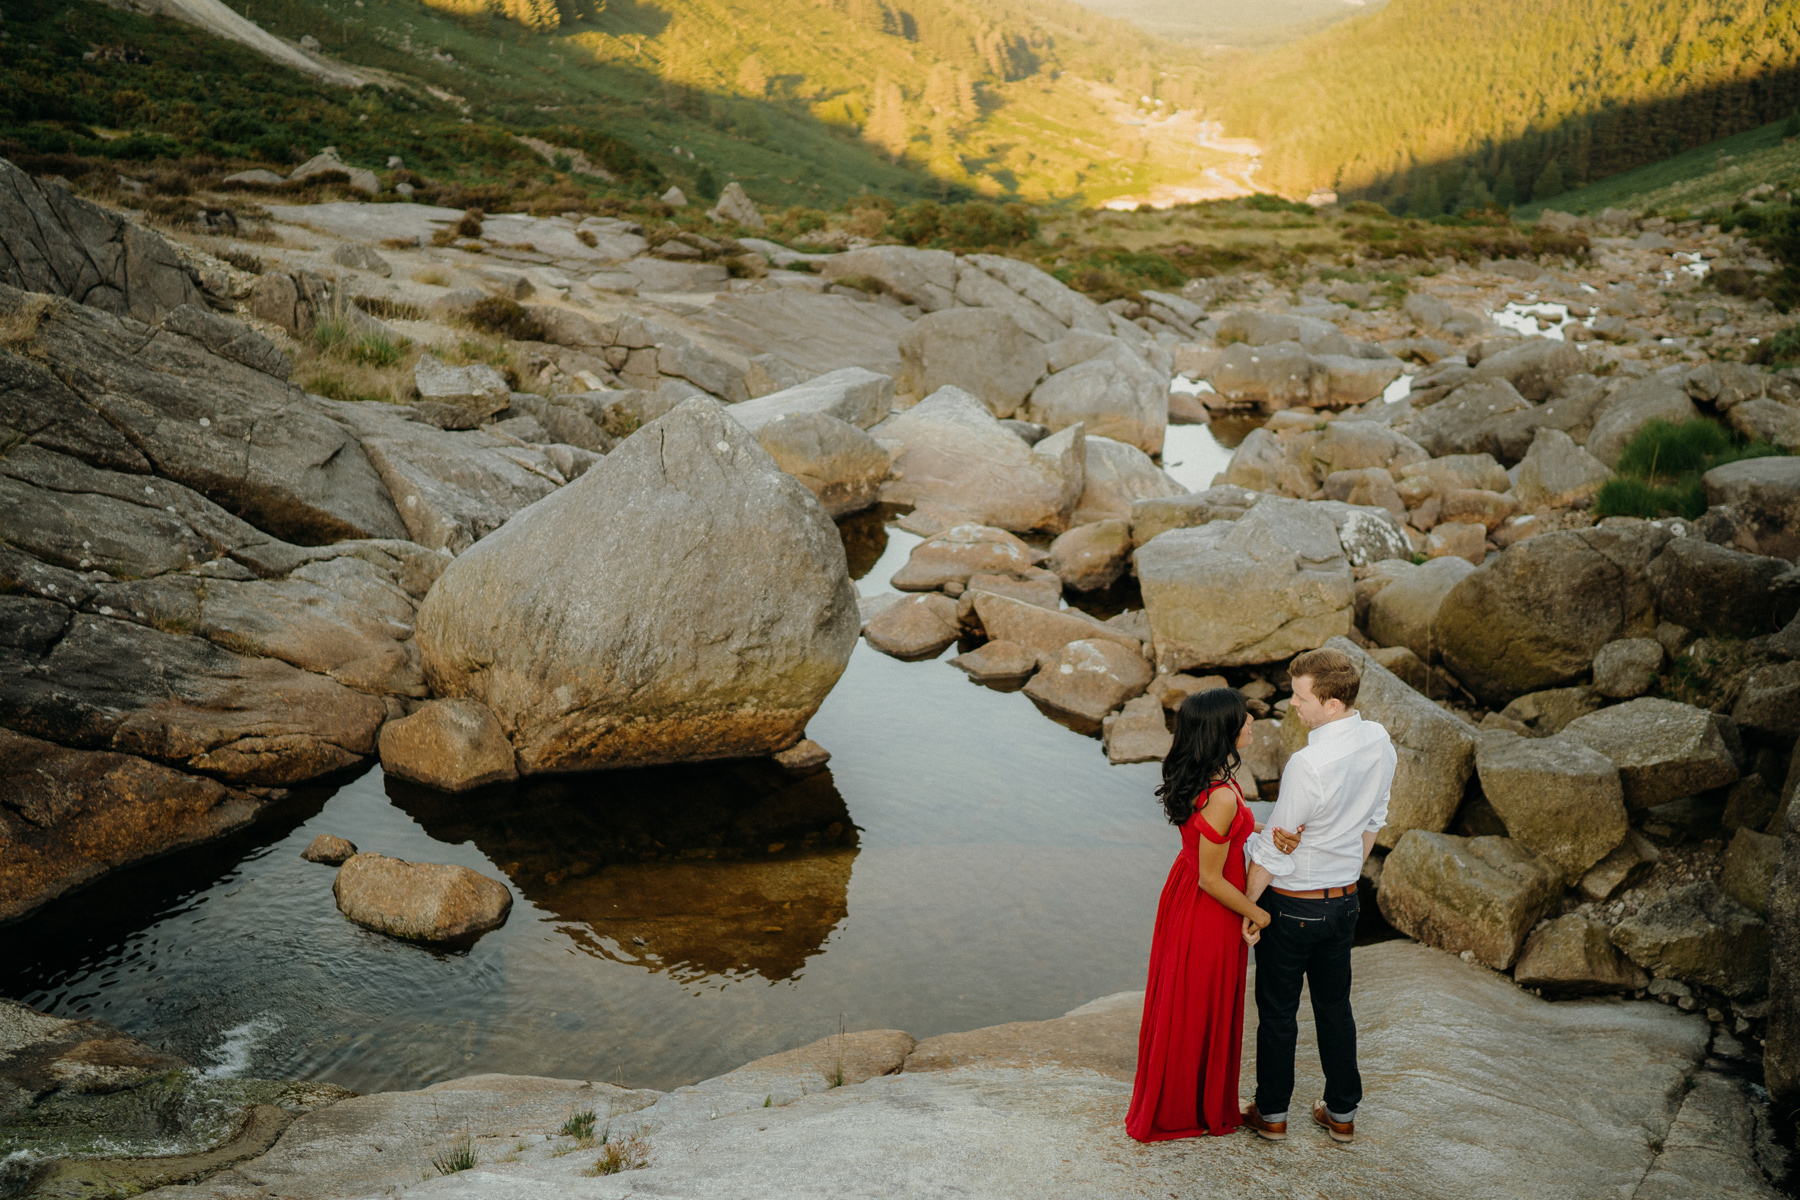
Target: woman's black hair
x=1205 y=750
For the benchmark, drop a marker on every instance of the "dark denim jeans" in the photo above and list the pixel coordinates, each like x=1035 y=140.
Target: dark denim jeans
x=1307 y=940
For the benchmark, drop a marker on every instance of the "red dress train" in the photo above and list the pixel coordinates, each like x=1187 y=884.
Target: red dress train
x=1190 y=1044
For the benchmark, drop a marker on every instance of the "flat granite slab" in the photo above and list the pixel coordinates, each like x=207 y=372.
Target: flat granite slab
x=1475 y=1089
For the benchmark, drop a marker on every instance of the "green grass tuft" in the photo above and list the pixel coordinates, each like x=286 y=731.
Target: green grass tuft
x=579 y=1125
x=1659 y=471
x=456 y=1155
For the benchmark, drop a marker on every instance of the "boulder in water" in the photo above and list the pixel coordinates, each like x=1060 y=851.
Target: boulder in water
x=682 y=600
x=419 y=902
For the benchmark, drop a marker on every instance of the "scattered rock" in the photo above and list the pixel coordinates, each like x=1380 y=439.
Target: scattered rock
x=803 y=756
x=1458 y=540
x=1091 y=557
x=1700 y=935
x=953 y=556
x=1634 y=406
x=1748 y=871
x=1715 y=589
x=1769 y=421
x=1463 y=422
x=1770 y=700
x=997 y=662
x=1765 y=492
x=328 y=849
x=1044 y=631
x=419 y=902
x=1404 y=613
x=1115 y=394
x=1535 y=367
x=1478 y=894
x=915 y=628
x=1558 y=798
x=1137 y=733
x=1664 y=750
x=1116 y=476
x=1573 y=955
x=839 y=463
x=983 y=351
x=450 y=745
x=361 y=258
x=957 y=464
x=476 y=386
x=1221 y=503
x=1550 y=711
x=1535 y=616
x=853 y=394
x=705 y=578
x=926 y=278
x=1628 y=863
x=1086 y=679
x=674 y=197
x=1289 y=587
x=361 y=178
x=1626 y=668
x=734 y=208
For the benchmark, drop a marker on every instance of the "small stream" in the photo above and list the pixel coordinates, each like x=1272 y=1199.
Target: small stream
x=963 y=861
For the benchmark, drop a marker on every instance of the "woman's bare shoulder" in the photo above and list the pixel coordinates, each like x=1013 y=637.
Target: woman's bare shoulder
x=1220 y=808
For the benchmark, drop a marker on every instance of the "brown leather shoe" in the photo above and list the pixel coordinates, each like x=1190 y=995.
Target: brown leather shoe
x=1340 y=1131
x=1271 y=1131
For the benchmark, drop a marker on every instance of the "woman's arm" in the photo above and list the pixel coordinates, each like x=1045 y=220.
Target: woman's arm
x=1218 y=813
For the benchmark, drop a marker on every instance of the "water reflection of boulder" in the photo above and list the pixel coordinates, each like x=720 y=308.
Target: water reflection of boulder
x=699 y=869
x=702 y=918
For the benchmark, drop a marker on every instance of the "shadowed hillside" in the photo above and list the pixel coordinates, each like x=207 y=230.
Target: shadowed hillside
x=1430 y=104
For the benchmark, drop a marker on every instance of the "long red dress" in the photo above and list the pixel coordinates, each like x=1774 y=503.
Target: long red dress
x=1191 y=1041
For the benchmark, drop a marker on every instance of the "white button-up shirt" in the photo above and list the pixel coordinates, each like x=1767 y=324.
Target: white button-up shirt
x=1337 y=786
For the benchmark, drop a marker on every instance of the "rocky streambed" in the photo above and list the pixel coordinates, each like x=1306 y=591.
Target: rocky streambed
x=545 y=612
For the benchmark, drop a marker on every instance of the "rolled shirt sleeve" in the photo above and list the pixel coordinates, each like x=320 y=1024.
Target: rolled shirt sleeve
x=1299 y=789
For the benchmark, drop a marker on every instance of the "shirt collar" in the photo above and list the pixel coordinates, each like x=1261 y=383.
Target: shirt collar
x=1335 y=729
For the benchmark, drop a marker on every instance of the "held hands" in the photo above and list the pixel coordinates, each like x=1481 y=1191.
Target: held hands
x=1253 y=927
x=1285 y=841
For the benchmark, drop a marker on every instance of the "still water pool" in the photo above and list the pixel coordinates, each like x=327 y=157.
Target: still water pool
x=962 y=861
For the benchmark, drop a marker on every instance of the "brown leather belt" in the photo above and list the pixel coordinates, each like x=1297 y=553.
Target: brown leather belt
x=1318 y=893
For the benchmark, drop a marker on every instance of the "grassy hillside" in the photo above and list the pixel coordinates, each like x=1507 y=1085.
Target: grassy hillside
x=1428 y=104
x=1232 y=22
x=1711 y=176
x=806 y=103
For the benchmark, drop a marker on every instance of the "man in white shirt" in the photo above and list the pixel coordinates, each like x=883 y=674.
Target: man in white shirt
x=1335 y=791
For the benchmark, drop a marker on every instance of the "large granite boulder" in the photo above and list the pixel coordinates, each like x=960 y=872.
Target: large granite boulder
x=682 y=600
x=1044 y=631
x=839 y=463
x=1557 y=473
x=1404 y=613
x=1087 y=679
x=1718 y=590
x=984 y=352
x=1664 y=750
x=1770 y=700
x=1478 y=894
x=1536 y=366
x=1748 y=873
x=1660 y=397
x=1115 y=394
x=1254 y=328
x=1574 y=955
x=1264 y=587
x=1116 y=476
x=420 y=902
x=1463 y=421
x=1781 y=1048
x=915 y=627
x=1270 y=377
x=852 y=394
x=1557 y=797
x=1350 y=445
x=53 y=241
x=1698 y=934
x=1091 y=557
x=1765 y=493
x=1222 y=503
x=957 y=464
x=1534 y=617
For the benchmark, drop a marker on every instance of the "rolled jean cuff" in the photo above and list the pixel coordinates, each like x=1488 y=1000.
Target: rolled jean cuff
x=1273 y=1118
x=1341 y=1118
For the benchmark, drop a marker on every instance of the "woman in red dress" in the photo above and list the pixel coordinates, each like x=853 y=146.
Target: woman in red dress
x=1191 y=1041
